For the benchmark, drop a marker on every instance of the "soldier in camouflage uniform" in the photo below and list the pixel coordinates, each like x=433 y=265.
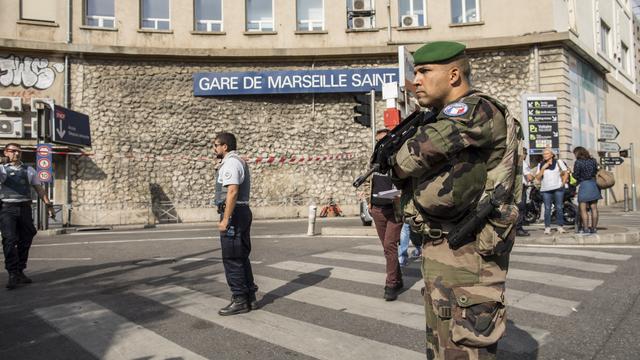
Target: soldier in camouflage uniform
x=446 y=169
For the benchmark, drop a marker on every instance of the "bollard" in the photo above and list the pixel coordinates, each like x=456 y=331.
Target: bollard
x=626 y=198
x=312 y=219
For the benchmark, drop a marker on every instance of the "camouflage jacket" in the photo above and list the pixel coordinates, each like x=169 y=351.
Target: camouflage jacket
x=472 y=146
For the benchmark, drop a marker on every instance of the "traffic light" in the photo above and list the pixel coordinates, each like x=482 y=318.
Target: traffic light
x=363 y=109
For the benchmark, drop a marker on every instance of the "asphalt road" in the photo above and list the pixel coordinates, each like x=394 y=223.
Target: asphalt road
x=154 y=294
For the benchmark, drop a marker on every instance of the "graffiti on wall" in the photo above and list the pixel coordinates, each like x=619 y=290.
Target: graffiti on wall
x=37 y=73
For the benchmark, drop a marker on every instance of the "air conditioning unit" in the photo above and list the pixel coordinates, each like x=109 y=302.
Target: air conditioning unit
x=10 y=104
x=362 y=22
x=409 y=21
x=361 y=5
x=11 y=127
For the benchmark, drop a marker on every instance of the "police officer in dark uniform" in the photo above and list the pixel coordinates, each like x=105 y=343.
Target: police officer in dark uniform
x=16 y=222
x=233 y=186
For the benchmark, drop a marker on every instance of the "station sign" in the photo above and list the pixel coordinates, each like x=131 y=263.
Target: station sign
x=70 y=127
x=541 y=114
x=611 y=160
x=292 y=82
x=44 y=169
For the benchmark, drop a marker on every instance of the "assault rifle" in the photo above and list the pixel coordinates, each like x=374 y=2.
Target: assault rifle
x=477 y=217
x=390 y=144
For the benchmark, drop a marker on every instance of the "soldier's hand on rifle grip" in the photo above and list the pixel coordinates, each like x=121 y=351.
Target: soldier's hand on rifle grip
x=51 y=211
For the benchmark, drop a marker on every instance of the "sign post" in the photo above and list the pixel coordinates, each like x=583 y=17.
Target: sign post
x=634 y=201
x=609 y=132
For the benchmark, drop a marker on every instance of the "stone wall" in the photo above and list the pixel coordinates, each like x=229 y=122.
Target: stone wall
x=152 y=138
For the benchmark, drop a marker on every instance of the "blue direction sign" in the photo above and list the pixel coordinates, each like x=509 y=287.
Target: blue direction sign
x=70 y=127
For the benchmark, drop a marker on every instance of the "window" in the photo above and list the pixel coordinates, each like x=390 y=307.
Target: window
x=361 y=14
x=208 y=15
x=100 y=13
x=624 y=57
x=260 y=15
x=605 y=34
x=465 y=11
x=155 y=15
x=38 y=10
x=412 y=13
x=310 y=15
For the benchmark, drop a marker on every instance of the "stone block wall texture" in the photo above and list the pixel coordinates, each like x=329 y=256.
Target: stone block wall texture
x=152 y=139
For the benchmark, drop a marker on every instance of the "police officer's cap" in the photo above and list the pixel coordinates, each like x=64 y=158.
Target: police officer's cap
x=437 y=51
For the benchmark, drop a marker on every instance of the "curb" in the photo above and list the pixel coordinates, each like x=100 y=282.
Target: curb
x=621 y=238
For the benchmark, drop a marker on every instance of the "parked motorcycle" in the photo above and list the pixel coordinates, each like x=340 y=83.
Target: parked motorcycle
x=534 y=204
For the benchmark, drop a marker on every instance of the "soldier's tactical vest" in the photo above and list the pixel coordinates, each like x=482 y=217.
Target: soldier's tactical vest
x=16 y=187
x=243 y=190
x=443 y=200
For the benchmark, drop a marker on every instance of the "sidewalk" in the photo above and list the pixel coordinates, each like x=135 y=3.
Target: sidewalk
x=615 y=227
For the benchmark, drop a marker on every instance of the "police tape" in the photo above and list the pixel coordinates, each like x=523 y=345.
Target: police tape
x=260 y=159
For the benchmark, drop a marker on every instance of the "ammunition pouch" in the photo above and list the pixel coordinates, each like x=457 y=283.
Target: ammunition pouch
x=477 y=315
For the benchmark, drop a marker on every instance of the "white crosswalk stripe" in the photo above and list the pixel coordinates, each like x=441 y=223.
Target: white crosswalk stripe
x=110 y=336
x=343 y=273
x=396 y=312
x=278 y=329
x=571 y=282
x=572 y=252
x=564 y=263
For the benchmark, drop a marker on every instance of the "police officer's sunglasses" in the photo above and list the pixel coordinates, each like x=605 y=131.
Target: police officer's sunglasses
x=13 y=150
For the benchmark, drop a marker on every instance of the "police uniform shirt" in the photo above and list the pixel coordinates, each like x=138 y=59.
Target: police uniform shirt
x=8 y=169
x=232 y=172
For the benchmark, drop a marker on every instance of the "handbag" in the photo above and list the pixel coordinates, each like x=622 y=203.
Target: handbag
x=604 y=179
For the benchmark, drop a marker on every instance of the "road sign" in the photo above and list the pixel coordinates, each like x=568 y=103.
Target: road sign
x=44 y=176
x=608 y=146
x=608 y=160
x=541 y=114
x=43 y=163
x=608 y=132
x=70 y=127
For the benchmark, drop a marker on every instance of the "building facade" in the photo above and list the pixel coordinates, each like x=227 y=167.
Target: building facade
x=131 y=65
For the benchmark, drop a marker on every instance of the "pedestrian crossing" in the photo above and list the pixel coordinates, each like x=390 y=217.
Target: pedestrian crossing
x=107 y=334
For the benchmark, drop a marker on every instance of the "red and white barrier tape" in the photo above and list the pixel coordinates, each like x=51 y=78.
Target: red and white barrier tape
x=261 y=159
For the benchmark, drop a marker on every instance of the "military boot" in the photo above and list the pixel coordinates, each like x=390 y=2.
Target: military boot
x=239 y=304
x=23 y=279
x=13 y=281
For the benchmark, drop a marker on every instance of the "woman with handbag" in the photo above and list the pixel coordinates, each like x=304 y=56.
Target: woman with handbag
x=552 y=175
x=584 y=170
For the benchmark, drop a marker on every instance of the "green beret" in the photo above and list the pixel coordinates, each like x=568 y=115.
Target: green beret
x=437 y=51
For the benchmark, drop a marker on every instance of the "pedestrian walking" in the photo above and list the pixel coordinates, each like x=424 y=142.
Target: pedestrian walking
x=553 y=175
x=584 y=171
x=388 y=229
x=449 y=166
x=16 y=221
x=233 y=187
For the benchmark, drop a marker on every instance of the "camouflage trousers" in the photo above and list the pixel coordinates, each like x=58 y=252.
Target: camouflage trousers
x=464 y=301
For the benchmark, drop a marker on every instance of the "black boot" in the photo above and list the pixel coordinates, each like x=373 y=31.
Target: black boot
x=23 y=279
x=239 y=304
x=13 y=281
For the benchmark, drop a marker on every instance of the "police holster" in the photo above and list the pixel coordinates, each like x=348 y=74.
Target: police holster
x=221 y=208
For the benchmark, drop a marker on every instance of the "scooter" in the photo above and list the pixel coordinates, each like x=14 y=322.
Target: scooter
x=534 y=205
